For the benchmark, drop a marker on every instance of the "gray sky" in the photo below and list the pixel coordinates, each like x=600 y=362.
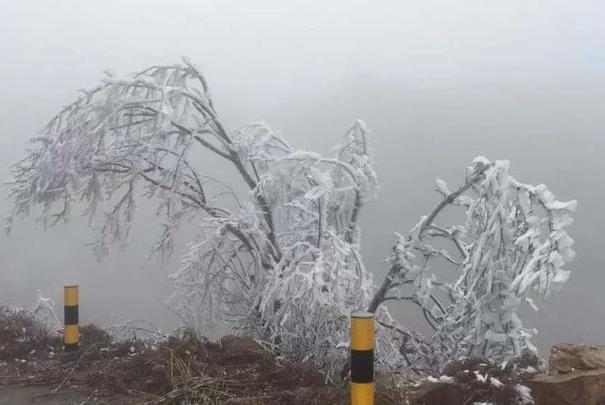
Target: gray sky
x=438 y=82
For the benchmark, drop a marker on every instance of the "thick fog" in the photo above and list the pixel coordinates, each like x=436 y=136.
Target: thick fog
x=438 y=82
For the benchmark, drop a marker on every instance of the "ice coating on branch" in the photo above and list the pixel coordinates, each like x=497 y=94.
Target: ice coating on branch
x=44 y=312
x=442 y=186
x=524 y=394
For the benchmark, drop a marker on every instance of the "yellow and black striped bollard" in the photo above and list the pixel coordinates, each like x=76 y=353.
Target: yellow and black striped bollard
x=362 y=358
x=71 y=336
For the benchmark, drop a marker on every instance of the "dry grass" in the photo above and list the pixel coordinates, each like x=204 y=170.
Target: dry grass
x=179 y=369
x=189 y=386
x=23 y=338
x=472 y=382
x=190 y=369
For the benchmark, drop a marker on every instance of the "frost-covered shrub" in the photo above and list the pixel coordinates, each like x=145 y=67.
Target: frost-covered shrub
x=31 y=333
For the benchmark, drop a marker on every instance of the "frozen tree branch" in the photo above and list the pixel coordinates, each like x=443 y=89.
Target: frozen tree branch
x=513 y=245
x=418 y=232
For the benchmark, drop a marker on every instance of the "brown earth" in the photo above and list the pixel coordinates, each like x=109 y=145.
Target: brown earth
x=240 y=370
x=235 y=370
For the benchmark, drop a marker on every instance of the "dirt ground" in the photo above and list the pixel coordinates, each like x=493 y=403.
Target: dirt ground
x=235 y=370
x=25 y=395
x=186 y=368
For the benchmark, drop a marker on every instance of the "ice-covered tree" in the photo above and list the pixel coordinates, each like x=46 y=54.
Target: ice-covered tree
x=279 y=258
x=512 y=248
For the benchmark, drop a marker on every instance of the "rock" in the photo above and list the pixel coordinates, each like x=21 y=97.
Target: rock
x=582 y=387
x=158 y=372
x=93 y=335
x=400 y=388
x=577 y=376
x=440 y=394
x=565 y=358
x=239 y=344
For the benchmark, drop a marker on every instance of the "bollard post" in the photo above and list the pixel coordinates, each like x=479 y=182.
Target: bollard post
x=71 y=335
x=362 y=358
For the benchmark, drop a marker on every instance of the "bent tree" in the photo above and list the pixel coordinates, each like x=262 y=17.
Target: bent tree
x=279 y=258
x=511 y=248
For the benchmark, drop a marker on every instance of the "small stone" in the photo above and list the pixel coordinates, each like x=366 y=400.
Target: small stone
x=158 y=371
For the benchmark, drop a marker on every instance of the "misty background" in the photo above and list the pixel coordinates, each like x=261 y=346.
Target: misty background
x=438 y=82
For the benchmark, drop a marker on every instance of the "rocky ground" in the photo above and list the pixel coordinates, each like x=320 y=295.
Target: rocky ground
x=241 y=370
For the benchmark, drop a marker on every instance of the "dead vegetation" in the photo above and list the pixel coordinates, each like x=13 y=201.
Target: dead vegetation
x=180 y=368
x=22 y=337
x=476 y=380
x=187 y=368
